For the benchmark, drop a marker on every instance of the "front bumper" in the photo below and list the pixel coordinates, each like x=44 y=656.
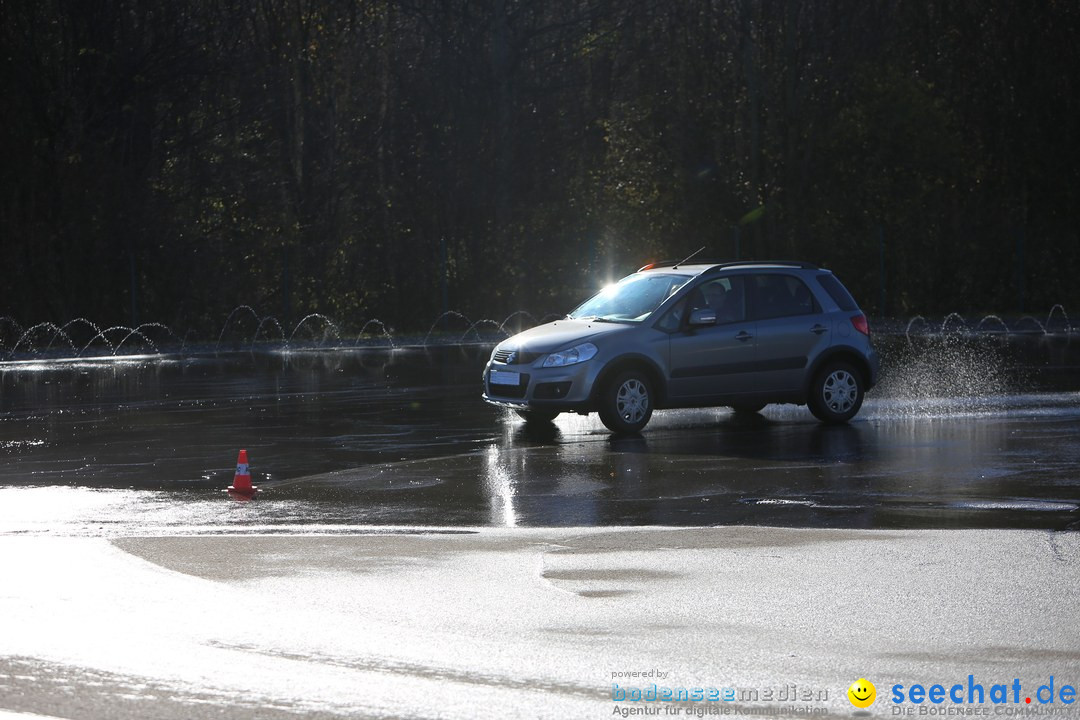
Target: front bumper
x=565 y=389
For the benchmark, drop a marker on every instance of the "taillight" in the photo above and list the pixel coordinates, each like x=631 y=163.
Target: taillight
x=861 y=324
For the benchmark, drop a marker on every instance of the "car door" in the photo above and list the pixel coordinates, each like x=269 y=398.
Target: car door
x=712 y=360
x=791 y=329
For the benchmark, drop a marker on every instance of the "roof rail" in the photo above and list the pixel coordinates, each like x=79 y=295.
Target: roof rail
x=732 y=263
x=784 y=263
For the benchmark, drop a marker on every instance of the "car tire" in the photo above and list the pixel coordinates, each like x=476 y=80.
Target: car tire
x=537 y=416
x=836 y=394
x=626 y=402
x=749 y=408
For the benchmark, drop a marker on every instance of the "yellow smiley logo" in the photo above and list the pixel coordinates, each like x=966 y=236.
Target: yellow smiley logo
x=862 y=693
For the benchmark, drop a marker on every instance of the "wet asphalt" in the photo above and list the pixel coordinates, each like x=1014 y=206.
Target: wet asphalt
x=532 y=622
x=401 y=437
x=415 y=553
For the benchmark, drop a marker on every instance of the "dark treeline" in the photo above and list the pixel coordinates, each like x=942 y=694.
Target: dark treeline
x=170 y=160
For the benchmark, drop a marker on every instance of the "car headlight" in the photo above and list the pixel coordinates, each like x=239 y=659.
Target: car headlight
x=576 y=354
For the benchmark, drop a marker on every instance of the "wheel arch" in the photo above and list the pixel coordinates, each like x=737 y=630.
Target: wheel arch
x=631 y=362
x=843 y=354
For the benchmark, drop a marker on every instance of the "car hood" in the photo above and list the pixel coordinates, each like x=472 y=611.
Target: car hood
x=560 y=334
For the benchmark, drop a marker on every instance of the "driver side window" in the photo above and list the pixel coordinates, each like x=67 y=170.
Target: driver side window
x=672 y=320
x=724 y=296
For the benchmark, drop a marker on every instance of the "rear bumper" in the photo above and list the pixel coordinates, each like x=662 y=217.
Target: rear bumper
x=874 y=362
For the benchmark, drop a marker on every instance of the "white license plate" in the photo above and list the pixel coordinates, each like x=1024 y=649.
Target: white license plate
x=502 y=377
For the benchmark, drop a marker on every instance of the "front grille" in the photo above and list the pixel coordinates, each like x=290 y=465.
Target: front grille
x=515 y=357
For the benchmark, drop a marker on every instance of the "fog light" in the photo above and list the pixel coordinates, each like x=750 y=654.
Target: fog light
x=551 y=390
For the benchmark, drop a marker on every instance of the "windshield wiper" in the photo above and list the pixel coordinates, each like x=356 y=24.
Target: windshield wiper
x=600 y=318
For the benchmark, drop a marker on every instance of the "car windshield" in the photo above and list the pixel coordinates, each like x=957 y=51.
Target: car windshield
x=632 y=299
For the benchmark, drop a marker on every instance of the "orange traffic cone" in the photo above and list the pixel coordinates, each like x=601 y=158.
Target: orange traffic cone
x=242 y=489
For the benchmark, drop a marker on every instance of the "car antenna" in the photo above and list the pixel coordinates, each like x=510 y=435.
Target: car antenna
x=676 y=265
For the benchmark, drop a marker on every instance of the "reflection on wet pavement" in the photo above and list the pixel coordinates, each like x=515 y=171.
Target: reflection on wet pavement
x=340 y=441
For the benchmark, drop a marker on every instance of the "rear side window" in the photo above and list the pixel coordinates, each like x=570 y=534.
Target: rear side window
x=781 y=296
x=837 y=292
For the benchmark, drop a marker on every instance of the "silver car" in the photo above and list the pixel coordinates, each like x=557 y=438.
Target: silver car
x=740 y=334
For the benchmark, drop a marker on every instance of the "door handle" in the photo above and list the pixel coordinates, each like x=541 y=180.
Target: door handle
x=818 y=329
x=743 y=335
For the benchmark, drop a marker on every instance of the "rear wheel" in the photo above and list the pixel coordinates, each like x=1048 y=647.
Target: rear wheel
x=836 y=393
x=626 y=403
x=537 y=416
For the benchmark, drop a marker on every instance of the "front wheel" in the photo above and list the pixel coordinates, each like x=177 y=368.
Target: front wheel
x=626 y=403
x=836 y=393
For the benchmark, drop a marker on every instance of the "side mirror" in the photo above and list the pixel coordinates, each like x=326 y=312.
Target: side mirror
x=704 y=316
